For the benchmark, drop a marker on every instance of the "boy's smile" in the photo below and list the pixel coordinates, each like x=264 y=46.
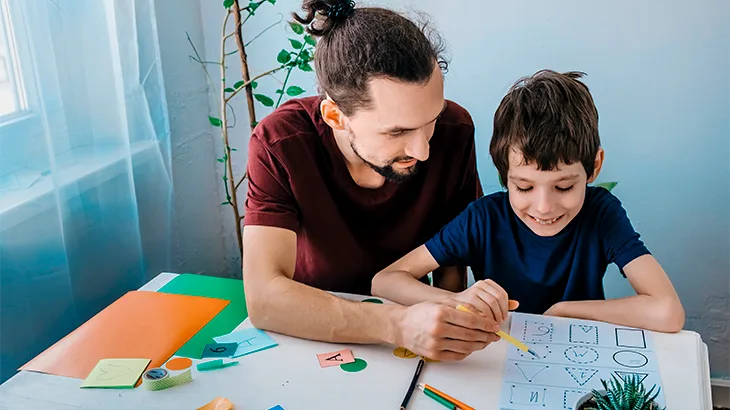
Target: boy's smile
x=546 y=201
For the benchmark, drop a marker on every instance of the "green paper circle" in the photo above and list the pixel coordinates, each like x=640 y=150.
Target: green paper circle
x=372 y=301
x=357 y=366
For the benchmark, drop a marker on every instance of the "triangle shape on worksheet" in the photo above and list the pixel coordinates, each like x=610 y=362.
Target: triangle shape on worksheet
x=581 y=375
x=530 y=371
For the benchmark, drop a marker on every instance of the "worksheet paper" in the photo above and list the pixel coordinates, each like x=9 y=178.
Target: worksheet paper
x=574 y=355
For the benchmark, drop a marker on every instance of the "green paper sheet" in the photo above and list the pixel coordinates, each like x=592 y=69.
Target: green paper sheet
x=212 y=287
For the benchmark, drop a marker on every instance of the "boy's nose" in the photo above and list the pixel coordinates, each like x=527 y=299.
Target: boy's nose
x=544 y=204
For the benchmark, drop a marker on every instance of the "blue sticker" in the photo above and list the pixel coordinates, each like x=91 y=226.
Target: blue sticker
x=219 y=350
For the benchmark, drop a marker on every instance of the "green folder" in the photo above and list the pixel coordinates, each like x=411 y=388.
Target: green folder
x=212 y=287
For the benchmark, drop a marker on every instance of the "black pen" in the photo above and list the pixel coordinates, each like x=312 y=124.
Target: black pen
x=412 y=387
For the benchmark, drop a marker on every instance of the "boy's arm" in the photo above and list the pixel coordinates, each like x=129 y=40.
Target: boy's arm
x=399 y=281
x=655 y=307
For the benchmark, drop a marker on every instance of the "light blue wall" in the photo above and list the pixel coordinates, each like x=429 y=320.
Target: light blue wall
x=200 y=237
x=660 y=74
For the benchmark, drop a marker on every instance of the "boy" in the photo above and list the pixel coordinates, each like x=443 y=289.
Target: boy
x=548 y=240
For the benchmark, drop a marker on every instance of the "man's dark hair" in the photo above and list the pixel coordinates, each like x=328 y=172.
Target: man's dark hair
x=358 y=44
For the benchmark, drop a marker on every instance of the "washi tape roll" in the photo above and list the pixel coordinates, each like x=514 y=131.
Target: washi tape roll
x=161 y=379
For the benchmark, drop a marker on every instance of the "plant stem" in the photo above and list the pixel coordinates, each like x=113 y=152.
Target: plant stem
x=288 y=73
x=245 y=74
x=205 y=69
x=245 y=174
x=281 y=18
x=229 y=183
x=246 y=83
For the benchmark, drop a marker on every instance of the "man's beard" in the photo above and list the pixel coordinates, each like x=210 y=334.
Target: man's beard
x=387 y=170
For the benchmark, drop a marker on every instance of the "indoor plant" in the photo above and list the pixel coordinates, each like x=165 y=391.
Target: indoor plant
x=298 y=56
x=626 y=393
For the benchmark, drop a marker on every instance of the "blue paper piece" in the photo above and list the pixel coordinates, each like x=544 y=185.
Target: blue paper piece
x=219 y=350
x=277 y=407
x=249 y=341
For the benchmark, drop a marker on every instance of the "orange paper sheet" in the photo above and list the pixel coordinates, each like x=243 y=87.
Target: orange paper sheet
x=140 y=324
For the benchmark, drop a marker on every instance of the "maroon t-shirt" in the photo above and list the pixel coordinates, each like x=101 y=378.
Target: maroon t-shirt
x=298 y=180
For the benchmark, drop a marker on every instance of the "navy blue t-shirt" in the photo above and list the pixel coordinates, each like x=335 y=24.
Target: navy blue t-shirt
x=540 y=271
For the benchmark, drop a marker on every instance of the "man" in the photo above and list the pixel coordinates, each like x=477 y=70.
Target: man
x=342 y=185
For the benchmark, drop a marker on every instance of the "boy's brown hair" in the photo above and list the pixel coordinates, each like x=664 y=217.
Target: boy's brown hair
x=549 y=118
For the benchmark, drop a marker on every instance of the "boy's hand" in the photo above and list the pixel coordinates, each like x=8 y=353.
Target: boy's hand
x=555 y=310
x=489 y=299
x=439 y=331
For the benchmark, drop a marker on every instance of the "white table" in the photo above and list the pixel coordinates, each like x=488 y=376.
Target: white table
x=290 y=375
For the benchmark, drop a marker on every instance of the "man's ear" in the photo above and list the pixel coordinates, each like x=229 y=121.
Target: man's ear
x=597 y=165
x=332 y=114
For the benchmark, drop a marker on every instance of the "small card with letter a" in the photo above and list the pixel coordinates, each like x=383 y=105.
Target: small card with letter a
x=335 y=358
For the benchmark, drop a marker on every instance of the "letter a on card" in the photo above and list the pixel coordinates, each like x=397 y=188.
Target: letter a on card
x=335 y=358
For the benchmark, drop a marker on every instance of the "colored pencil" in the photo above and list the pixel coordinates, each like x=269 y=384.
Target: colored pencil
x=504 y=335
x=412 y=386
x=438 y=399
x=443 y=395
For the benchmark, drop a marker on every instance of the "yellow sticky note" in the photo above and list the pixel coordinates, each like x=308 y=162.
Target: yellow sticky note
x=116 y=373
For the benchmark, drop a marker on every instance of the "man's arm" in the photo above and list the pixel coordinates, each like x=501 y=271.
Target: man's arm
x=278 y=303
x=656 y=305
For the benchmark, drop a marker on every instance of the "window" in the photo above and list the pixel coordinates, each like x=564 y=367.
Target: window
x=81 y=97
x=12 y=96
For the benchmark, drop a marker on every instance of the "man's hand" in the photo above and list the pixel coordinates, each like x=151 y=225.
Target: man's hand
x=439 y=331
x=489 y=299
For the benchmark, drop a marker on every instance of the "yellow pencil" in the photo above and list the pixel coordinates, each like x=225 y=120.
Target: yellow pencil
x=507 y=337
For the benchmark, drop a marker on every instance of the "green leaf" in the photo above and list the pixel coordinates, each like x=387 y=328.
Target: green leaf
x=227 y=3
x=254 y=124
x=233 y=149
x=223 y=79
x=295 y=43
x=266 y=101
x=215 y=121
x=272 y=1
x=296 y=27
x=310 y=40
x=229 y=90
x=253 y=6
x=294 y=91
x=254 y=84
x=305 y=56
x=221 y=160
x=225 y=178
x=283 y=57
x=238 y=84
x=608 y=185
x=225 y=203
x=279 y=91
x=305 y=67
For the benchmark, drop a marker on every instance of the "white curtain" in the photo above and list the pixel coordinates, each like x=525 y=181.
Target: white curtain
x=85 y=182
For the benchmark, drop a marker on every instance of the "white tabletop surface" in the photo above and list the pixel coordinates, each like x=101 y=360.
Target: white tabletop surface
x=289 y=375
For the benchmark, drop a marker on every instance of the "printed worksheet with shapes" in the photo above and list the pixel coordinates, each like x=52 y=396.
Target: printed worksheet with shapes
x=574 y=355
